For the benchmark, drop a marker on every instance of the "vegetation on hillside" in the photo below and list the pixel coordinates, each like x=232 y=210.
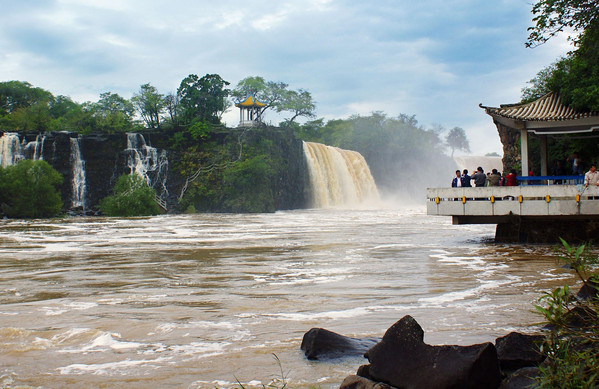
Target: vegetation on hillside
x=29 y=190
x=575 y=76
x=132 y=197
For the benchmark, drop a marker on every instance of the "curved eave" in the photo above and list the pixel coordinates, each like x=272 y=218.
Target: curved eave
x=545 y=113
x=250 y=101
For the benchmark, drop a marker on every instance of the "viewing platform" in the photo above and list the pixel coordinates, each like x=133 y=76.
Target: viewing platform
x=546 y=212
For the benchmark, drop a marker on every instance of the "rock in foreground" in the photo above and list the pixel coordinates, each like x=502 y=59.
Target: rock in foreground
x=319 y=343
x=403 y=360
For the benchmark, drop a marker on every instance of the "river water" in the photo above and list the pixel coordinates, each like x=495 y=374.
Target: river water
x=201 y=301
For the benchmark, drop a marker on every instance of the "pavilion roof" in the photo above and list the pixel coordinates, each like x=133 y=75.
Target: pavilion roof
x=250 y=101
x=546 y=108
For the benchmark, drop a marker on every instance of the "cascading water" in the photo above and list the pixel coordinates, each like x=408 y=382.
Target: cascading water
x=78 y=169
x=11 y=150
x=338 y=177
x=147 y=162
x=35 y=149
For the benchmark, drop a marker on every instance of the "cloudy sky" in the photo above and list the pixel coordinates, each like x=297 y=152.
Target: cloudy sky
x=436 y=59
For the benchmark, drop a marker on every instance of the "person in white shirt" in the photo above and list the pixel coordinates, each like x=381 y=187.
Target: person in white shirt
x=591 y=177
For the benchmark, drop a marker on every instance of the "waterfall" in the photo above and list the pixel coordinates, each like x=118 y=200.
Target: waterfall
x=11 y=150
x=338 y=177
x=147 y=162
x=78 y=169
x=35 y=149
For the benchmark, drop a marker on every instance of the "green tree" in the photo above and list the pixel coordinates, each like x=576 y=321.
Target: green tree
x=299 y=103
x=132 y=197
x=203 y=99
x=269 y=92
x=551 y=17
x=112 y=114
x=456 y=139
x=29 y=190
x=150 y=104
x=19 y=94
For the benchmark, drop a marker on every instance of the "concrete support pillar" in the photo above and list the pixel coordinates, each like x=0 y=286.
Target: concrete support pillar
x=543 y=144
x=524 y=151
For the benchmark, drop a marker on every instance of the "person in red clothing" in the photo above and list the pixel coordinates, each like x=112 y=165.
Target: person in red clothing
x=510 y=179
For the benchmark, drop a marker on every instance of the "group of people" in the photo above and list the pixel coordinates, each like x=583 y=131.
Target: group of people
x=495 y=178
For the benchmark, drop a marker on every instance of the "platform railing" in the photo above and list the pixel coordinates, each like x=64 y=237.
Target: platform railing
x=550 y=180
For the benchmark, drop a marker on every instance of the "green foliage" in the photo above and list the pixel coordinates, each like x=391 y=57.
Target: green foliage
x=132 y=197
x=29 y=190
x=112 y=114
x=203 y=99
x=247 y=185
x=276 y=96
x=572 y=345
x=149 y=104
x=551 y=17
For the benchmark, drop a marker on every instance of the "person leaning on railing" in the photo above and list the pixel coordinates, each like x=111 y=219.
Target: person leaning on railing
x=591 y=177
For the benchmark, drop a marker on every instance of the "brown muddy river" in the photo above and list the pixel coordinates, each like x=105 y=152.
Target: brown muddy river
x=201 y=301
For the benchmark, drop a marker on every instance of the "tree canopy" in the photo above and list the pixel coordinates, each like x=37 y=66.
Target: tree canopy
x=575 y=76
x=456 y=140
x=277 y=97
x=551 y=17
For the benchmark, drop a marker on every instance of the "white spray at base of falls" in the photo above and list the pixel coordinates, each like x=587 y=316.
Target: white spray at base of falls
x=78 y=169
x=338 y=178
x=147 y=162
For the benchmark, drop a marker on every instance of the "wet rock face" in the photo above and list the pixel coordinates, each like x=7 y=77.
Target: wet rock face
x=403 y=360
x=516 y=350
x=319 y=343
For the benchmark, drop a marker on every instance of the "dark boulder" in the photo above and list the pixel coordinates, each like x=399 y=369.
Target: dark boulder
x=403 y=360
x=521 y=379
x=319 y=343
x=357 y=382
x=516 y=350
x=589 y=291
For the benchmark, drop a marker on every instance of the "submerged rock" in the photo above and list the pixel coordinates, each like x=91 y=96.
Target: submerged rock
x=319 y=343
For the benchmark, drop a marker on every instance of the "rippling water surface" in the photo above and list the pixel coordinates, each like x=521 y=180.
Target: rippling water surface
x=201 y=301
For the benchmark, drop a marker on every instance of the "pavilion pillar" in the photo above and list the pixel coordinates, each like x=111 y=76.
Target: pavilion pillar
x=524 y=151
x=543 y=144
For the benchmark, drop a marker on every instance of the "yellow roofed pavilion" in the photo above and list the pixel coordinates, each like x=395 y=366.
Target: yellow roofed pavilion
x=250 y=111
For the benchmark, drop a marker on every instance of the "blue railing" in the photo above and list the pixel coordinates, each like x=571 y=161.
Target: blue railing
x=550 y=180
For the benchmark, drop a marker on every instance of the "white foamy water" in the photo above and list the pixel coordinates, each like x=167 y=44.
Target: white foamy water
x=201 y=301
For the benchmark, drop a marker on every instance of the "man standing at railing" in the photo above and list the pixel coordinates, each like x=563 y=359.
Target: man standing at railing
x=591 y=177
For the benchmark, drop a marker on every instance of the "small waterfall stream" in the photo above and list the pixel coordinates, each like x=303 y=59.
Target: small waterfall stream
x=11 y=150
x=148 y=162
x=78 y=169
x=338 y=177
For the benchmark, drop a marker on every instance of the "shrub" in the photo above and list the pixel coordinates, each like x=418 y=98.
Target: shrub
x=132 y=197
x=572 y=345
x=29 y=190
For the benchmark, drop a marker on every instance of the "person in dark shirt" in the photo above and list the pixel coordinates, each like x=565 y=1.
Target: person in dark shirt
x=480 y=179
x=466 y=179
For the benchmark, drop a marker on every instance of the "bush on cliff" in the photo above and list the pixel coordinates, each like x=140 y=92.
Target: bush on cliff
x=572 y=344
x=132 y=197
x=29 y=190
